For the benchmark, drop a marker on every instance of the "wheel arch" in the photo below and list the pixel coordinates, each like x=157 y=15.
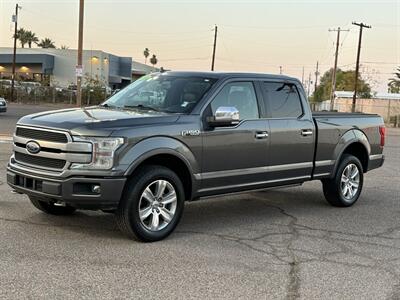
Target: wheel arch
x=166 y=152
x=356 y=143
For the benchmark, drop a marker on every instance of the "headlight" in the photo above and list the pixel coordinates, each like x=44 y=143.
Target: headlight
x=102 y=153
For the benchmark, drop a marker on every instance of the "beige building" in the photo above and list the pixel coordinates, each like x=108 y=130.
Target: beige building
x=57 y=66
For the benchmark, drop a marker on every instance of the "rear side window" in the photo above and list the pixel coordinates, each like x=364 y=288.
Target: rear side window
x=283 y=100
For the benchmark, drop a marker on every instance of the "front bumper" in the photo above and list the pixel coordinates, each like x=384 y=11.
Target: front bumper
x=3 y=108
x=74 y=191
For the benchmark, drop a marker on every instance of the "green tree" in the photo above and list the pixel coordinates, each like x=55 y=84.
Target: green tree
x=394 y=83
x=344 y=82
x=31 y=38
x=154 y=60
x=94 y=89
x=22 y=37
x=46 y=43
x=64 y=47
x=146 y=53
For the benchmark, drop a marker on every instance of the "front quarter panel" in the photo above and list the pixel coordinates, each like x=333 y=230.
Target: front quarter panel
x=158 y=145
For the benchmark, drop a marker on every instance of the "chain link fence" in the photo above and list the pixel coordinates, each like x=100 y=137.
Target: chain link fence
x=55 y=95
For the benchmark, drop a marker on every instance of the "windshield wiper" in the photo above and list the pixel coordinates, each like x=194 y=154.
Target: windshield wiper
x=108 y=105
x=141 y=106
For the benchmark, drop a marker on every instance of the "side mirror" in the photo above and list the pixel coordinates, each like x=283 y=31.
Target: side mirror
x=224 y=116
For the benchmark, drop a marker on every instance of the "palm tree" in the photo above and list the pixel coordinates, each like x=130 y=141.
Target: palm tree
x=64 y=47
x=31 y=38
x=21 y=35
x=154 y=60
x=46 y=43
x=146 y=54
x=394 y=83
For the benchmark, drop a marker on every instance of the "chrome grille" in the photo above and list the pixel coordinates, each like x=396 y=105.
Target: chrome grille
x=57 y=150
x=43 y=162
x=39 y=134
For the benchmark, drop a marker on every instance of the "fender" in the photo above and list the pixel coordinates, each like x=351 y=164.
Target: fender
x=350 y=137
x=159 y=145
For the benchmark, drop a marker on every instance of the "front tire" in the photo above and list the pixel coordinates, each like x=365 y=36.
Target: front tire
x=345 y=188
x=152 y=204
x=50 y=208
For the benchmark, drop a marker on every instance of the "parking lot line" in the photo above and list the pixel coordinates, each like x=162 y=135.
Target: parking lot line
x=5 y=139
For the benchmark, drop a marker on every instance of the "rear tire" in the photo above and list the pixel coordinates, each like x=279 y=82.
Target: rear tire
x=152 y=204
x=50 y=208
x=344 y=189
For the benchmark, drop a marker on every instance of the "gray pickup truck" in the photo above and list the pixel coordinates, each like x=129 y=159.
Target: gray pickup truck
x=180 y=136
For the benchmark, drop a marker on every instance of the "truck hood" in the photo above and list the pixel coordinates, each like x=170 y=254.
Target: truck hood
x=98 y=121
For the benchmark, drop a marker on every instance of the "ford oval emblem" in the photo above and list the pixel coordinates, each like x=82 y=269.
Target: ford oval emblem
x=33 y=147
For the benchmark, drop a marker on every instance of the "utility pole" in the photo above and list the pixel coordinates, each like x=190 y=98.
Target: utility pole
x=214 y=47
x=361 y=25
x=335 y=65
x=15 y=19
x=79 y=66
x=302 y=78
x=280 y=70
x=316 y=78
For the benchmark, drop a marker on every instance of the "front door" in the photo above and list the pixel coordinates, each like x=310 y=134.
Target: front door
x=235 y=157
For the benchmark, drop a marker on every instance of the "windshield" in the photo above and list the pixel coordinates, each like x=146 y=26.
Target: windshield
x=162 y=93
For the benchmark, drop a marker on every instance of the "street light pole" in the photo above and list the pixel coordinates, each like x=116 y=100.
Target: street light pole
x=15 y=19
x=79 y=66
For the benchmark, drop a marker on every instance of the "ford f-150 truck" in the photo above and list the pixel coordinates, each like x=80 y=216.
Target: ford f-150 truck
x=173 y=137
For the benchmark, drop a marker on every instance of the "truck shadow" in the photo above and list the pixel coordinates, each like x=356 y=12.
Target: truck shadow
x=252 y=211
x=245 y=214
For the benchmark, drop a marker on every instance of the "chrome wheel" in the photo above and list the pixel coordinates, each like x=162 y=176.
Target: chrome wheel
x=157 y=205
x=350 y=181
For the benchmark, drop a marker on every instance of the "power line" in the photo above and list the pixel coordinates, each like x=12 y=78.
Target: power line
x=316 y=79
x=361 y=26
x=335 y=65
x=214 y=47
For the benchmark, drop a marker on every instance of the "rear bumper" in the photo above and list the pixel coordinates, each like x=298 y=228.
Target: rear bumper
x=376 y=161
x=3 y=108
x=74 y=191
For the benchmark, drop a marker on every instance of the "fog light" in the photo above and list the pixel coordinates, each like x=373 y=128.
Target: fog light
x=96 y=189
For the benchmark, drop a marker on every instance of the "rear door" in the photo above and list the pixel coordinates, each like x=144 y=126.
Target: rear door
x=291 y=132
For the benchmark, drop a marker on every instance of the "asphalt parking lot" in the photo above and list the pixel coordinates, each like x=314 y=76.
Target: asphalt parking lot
x=278 y=244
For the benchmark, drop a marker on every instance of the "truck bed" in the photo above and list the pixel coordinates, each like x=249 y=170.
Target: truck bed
x=334 y=129
x=331 y=114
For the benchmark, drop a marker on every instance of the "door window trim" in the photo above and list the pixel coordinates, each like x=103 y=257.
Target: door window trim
x=268 y=100
x=222 y=86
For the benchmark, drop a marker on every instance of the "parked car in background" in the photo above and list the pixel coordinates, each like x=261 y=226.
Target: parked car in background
x=3 y=105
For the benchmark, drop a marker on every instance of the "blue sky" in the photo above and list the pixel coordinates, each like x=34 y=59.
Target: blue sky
x=254 y=36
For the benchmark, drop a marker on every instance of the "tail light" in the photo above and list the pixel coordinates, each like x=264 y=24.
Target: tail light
x=382 y=132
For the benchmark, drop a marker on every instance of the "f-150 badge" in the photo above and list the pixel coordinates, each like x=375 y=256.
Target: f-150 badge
x=190 y=132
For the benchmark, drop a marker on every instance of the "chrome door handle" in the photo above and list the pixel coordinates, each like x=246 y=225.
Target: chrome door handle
x=261 y=135
x=306 y=132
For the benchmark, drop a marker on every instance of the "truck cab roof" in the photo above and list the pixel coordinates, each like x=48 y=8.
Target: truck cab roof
x=220 y=75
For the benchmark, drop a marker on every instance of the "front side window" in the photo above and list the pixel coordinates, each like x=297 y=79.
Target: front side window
x=283 y=100
x=163 y=93
x=240 y=95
